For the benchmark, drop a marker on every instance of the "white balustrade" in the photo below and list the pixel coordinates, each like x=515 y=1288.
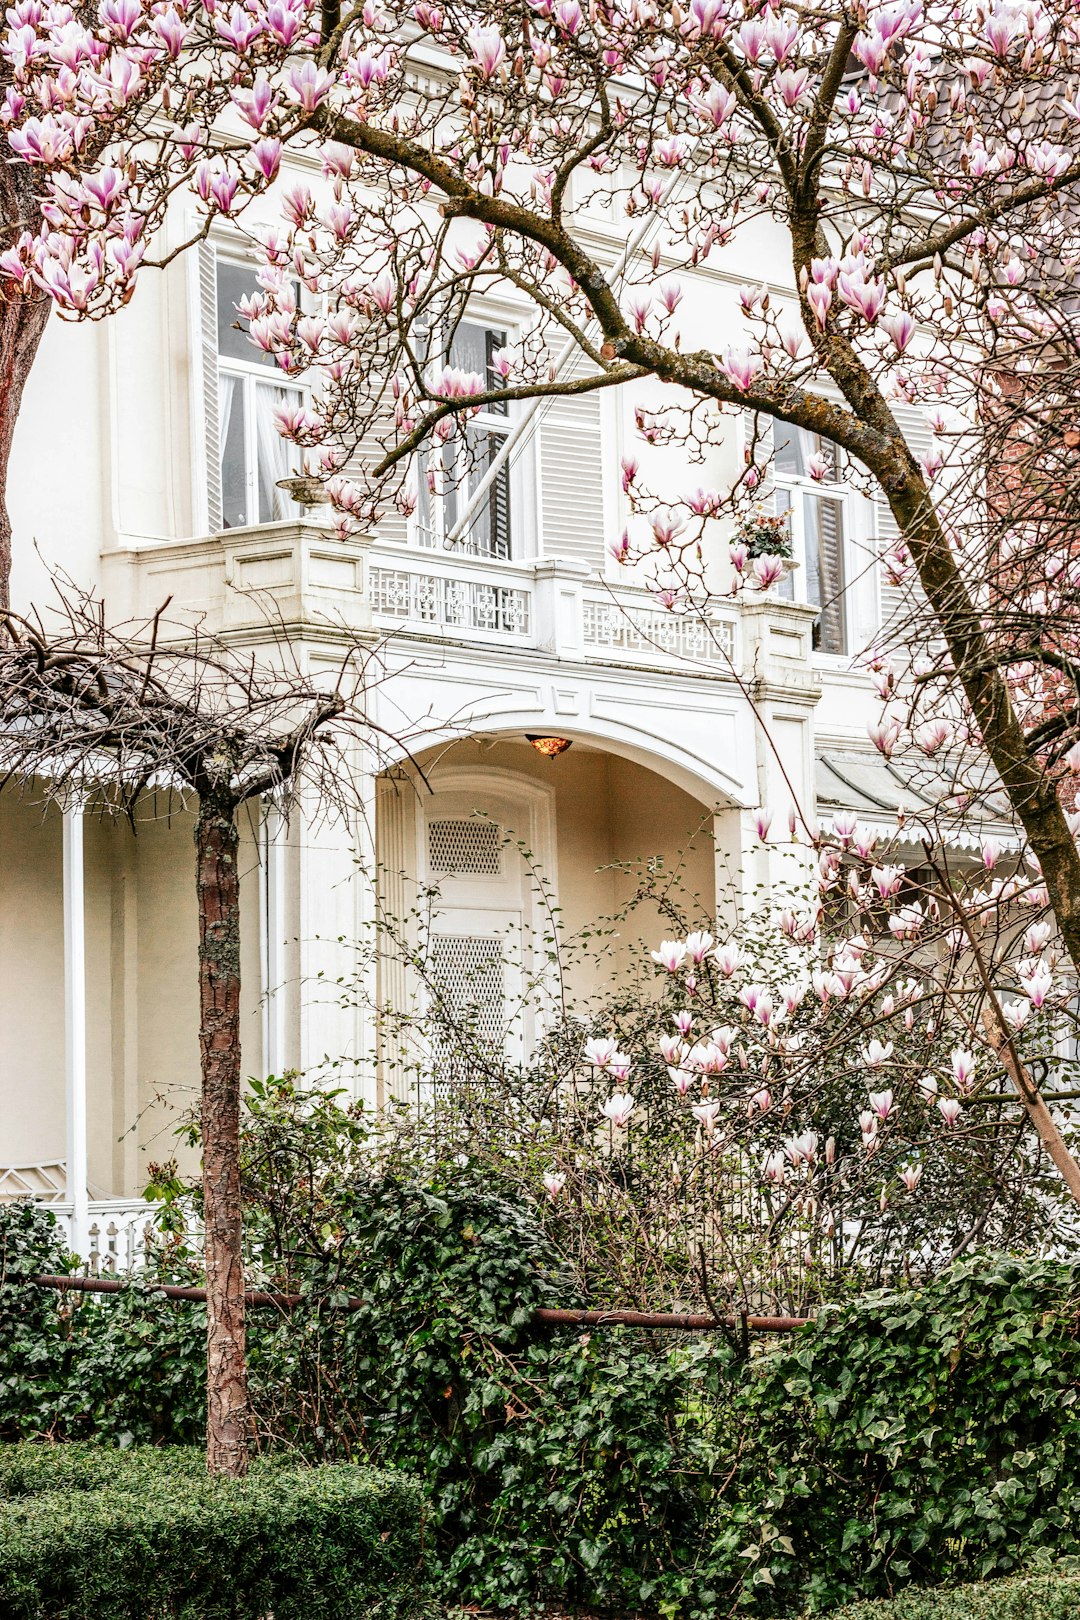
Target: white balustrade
x=623 y=629
x=426 y=599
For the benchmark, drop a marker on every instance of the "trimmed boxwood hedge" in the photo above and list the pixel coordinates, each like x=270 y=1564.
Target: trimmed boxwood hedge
x=90 y=1533
x=1027 y=1597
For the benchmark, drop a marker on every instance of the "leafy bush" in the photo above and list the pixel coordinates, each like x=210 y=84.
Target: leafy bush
x=88 y=1534
x=920 y=1437
x=130 y=1369
x=1032 y=1597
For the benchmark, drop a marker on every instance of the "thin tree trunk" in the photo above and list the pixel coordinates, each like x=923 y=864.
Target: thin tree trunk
x=22 y=323
x=228 y=1424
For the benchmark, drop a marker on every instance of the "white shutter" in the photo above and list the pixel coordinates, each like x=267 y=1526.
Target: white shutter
x=897 y=601
x=391 y=523
x=757 y=431
x=572 y=477
x=210 y=471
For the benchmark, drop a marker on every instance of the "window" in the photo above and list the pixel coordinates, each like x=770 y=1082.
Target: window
x=816 y=514
x=465 y=465
x=253 y=455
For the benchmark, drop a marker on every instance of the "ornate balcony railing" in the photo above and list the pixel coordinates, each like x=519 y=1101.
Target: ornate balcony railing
x=620 y=628
x=424 y=600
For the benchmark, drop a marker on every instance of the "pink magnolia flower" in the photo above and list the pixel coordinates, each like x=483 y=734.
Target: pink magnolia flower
x=910 y=1175
x=666 y=526
x=775 y=1169
x=671 y=955
x=762 y=824
x=698 y=945
x=618 y=1108
x=488 y=50
x=950 y=1110
x=900 y=327
x=705 y=1112
x=933 y=735
x=884 y=734
x=601 y=1051
x=877 y=1053
x=238 y=29
x=716 y=105
x=1038 y=986
x=741 y=367
x=727 y=958
x=819 y=297
x=554 y=1182
x=171 y=31
x=791 y=85
x=887 y=879
x=684 y=1021
x=882 y=1103
x=767 y=571
x=761 y=1100
x=669 y=295
x=864 y=297
x=802 y=1149
x=308 y=84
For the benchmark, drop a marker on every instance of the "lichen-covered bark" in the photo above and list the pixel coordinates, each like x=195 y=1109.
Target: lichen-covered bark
x=228 y=1414
x=22 y=323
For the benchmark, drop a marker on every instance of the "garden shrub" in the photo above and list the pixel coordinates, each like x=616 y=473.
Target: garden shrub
x=1049 y=1596
x=921 y=1436
x=127 y=1369
x=148 y=1536
x=911 y=1438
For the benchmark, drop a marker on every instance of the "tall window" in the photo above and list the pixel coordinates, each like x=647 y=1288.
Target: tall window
x=464 y=465
x=254 y=456
x=815 y=510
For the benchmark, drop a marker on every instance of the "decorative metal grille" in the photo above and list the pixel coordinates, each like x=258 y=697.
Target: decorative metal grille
x=465 y=847
x=453 y=604
x=467 y=970
x=609 y=627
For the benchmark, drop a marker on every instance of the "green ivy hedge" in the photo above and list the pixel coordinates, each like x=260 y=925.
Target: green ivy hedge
x=92 y=1534
x=1032 y=1597
x=923 y=1437
x=910 y=1439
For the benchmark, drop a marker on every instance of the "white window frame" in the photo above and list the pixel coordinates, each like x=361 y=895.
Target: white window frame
x=430 y=524
x=249 y=374
x=797 y=486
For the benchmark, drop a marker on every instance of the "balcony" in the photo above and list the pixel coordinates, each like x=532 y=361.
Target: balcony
x=297 y=574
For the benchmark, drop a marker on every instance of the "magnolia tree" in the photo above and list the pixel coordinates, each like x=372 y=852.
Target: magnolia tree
x=765 y=1120
x=908 y=166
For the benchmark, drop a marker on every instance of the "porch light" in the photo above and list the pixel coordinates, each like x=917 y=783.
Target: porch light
x=550 y=747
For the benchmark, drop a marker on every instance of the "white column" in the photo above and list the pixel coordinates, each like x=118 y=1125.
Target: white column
x=75 y=1024
x=272 y=917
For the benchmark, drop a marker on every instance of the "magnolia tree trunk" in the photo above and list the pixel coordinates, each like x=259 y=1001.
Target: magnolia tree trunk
x=22 y=322
x=228 y=1416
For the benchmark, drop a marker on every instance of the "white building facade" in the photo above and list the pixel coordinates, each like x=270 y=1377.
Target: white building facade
x=164 y=483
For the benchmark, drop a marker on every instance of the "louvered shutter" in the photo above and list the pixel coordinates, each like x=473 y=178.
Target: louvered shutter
x=897 y=601
x=391 y=523
x=208 y=386
x=832 y=583
x=572 y=477
x=757 y=434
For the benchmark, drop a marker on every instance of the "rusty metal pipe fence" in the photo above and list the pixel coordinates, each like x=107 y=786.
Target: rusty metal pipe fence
x=686 y=1321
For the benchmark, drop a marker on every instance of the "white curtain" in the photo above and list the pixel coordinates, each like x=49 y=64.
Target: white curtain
x=274 y=453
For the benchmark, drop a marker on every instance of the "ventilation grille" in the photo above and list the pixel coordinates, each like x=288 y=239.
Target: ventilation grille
x=467 y=970
x=470 y=848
